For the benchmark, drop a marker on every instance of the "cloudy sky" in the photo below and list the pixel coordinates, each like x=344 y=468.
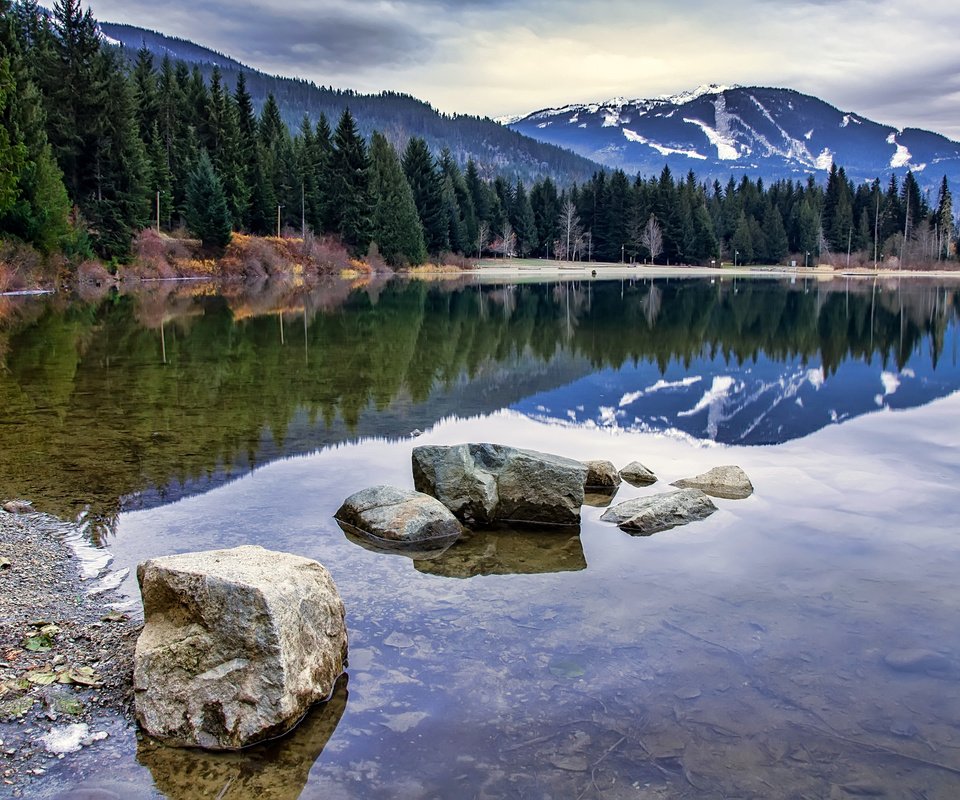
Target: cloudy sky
x=896 y=62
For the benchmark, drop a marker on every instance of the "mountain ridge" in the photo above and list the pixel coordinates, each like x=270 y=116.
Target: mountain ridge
x=770 y=132
x=399 y=116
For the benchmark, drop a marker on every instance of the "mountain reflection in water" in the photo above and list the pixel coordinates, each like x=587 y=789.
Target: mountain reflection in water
x=136 y=400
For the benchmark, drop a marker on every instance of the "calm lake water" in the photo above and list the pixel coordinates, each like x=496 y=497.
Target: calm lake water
x=738 y=657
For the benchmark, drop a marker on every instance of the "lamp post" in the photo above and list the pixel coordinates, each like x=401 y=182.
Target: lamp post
x=736 y=254
x=806 y=259
x=278 y=220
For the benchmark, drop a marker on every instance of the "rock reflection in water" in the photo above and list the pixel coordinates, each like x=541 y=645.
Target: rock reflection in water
x=419 y=550
x=276 y=770
x=599 y=498
x=509 y=551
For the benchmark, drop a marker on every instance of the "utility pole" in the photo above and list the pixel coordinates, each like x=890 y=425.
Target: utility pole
x=849 y=243
x=158 y=211
x=876 y=232
x=278 y=220
x=303 y=212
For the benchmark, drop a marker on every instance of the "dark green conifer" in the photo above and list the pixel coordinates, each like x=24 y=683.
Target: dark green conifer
x=208 y=215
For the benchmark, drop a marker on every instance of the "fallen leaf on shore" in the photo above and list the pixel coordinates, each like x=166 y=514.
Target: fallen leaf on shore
x=84 y=676
x=41 y=678
x=38 y=644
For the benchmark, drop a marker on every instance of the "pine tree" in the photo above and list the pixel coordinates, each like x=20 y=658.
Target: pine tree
x=208 y=216
x=943 y=219
x=424 y=180
x=396 y=225
x=776 y=246
x=350 y=200
x=12 y=154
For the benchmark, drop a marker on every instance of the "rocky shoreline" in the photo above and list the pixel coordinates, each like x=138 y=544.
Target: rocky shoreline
x=66 y=652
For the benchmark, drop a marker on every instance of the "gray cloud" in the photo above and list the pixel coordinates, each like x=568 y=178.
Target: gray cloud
x=881 y=58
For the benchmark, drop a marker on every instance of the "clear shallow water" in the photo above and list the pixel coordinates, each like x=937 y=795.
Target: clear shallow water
x=742 y=656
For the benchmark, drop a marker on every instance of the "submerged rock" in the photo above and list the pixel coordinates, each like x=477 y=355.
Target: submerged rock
x=636 y=474
x=398 y=515
x=18 y=507
x=660 y=512
x=915 y=659
x=601 y=475
x=275 y=770
x=728 y=482
x=484 y=483
x=236 y=647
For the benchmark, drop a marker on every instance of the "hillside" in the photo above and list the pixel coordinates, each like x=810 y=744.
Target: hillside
x=718 y=131
x=495 y=148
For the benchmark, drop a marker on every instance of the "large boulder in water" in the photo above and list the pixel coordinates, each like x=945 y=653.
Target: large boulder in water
x=647 y=515
x=728 y=482
x=483 y=483
x=398 y=515
x=601 y=475
x=236 y=647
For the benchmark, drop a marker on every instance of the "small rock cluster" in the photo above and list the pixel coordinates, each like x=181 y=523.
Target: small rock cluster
x=483 y=484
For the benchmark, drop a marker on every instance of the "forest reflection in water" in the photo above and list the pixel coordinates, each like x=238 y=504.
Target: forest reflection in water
x=132 y=400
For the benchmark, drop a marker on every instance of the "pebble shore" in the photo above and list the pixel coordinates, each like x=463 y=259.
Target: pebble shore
x=66 y=653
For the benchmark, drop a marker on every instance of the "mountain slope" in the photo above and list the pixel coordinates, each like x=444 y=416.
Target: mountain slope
x=495 y=148
x=721 y=131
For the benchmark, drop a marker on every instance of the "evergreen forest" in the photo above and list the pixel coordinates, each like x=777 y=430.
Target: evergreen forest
x=96 y=146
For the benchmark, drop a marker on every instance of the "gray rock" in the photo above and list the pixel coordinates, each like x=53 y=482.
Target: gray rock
x=236 y=647
x=601 y=475
x=915 y=659
x=398 y=515
x=636 y=474
x=728 y=482
x=484 y=483
x=660 y=512
x=277 y=770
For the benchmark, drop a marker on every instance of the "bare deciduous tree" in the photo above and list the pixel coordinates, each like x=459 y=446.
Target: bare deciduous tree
x=652 y=238
x=483 y=236
x=506 y=243
x=570 y=231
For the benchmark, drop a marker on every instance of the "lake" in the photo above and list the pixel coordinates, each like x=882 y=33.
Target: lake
x=746 y=655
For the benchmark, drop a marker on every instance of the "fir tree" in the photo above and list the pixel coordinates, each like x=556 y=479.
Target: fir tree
x=349 y=186
x=396 y=225
x=427 y=187
x=208 y=216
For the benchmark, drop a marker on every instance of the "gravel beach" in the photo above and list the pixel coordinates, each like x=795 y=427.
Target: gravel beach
x=66 y=654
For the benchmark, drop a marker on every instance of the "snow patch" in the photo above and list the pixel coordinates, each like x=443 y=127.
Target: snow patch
x=632 y=397
x=890 y=383
x=65 y=739
x=808 y=135
x=700 y=91
x=824 y=160
x=815 y=377
x=722 y=384
x=611 y=118
x=726 y=147
x=633 y=136
x=544 y=124
x=574 y=119
x=902 y=157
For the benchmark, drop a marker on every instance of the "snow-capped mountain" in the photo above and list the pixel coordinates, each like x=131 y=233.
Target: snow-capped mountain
x=718 y=131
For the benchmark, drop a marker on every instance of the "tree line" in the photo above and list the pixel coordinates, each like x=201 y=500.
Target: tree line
x=94 y=148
